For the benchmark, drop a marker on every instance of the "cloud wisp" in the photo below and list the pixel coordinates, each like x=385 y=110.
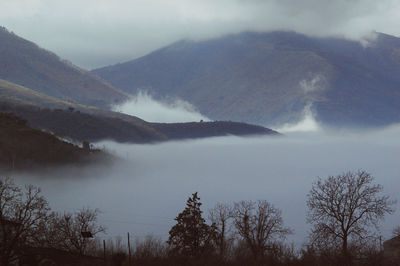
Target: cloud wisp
x=307 y=123
x=143 y=105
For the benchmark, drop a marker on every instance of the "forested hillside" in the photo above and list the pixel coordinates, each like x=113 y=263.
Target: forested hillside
x=24 y=147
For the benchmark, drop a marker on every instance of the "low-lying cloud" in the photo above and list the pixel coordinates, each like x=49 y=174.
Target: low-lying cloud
x=144 y=106
x=307 y=123
x=145 y=191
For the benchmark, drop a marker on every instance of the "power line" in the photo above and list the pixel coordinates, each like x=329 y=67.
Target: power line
x=132 y=222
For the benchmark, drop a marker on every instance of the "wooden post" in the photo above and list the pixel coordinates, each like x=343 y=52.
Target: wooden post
x=129 y=250
x=104 y=249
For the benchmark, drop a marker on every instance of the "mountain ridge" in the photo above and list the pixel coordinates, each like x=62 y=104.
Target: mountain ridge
x=79 y=126
x=85 y=123
x=25 y=63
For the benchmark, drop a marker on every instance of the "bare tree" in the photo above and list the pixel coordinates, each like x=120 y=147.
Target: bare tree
x=259 y=224
x=22 y=211
x=149 y=248
x=219 y=217
x=396 y=231
x=346 y=208
x=73 y=232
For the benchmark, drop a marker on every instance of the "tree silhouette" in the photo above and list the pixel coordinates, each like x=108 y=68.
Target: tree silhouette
x=345 y=208
x=65 y=231
x=396 y=231
x=260 y=224
x=220 y=216
x=191 y=236
x=21 y=213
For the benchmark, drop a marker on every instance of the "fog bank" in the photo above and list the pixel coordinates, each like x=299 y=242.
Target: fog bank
x=146 y=190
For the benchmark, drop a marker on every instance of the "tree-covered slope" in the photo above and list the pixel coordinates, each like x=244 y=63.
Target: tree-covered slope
x=24 y=147
x=80 y=126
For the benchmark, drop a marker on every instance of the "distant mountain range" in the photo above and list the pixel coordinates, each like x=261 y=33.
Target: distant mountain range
x=269 y=78
x=72 y=103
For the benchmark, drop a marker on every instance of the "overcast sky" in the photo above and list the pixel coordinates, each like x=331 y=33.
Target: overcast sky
x=94 y=33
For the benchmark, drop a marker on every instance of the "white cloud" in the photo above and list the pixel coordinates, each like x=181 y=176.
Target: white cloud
x=144 y=106
x=306 y=124
x=316 y=83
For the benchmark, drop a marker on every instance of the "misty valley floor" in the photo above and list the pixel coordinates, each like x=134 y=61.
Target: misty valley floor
x=144 y=192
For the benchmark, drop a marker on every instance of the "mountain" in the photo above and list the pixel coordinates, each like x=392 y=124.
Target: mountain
x=56 y=96
x=13 y=93
x=24 y=63
x=79 y=122
x=270 y=78
x=79 y=126
x=22 y=147
x=192 y=130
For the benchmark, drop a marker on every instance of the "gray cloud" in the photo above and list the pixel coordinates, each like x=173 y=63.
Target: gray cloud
x=93 y=33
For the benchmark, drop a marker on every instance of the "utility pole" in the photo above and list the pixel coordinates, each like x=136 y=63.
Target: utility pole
x=129 y=250
x=104 y=250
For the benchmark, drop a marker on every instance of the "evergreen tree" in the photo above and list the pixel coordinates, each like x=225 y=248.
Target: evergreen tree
x=191 y=236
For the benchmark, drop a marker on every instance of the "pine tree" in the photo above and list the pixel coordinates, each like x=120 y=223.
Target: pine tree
x=191 y=236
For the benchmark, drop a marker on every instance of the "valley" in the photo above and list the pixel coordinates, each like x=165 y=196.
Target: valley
x=261 y=123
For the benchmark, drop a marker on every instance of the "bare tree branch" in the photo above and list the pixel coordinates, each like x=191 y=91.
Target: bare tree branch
x=259 y=224
x=346 y=207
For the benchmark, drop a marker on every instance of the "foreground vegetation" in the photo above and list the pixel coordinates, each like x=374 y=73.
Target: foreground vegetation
x=344 y=212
